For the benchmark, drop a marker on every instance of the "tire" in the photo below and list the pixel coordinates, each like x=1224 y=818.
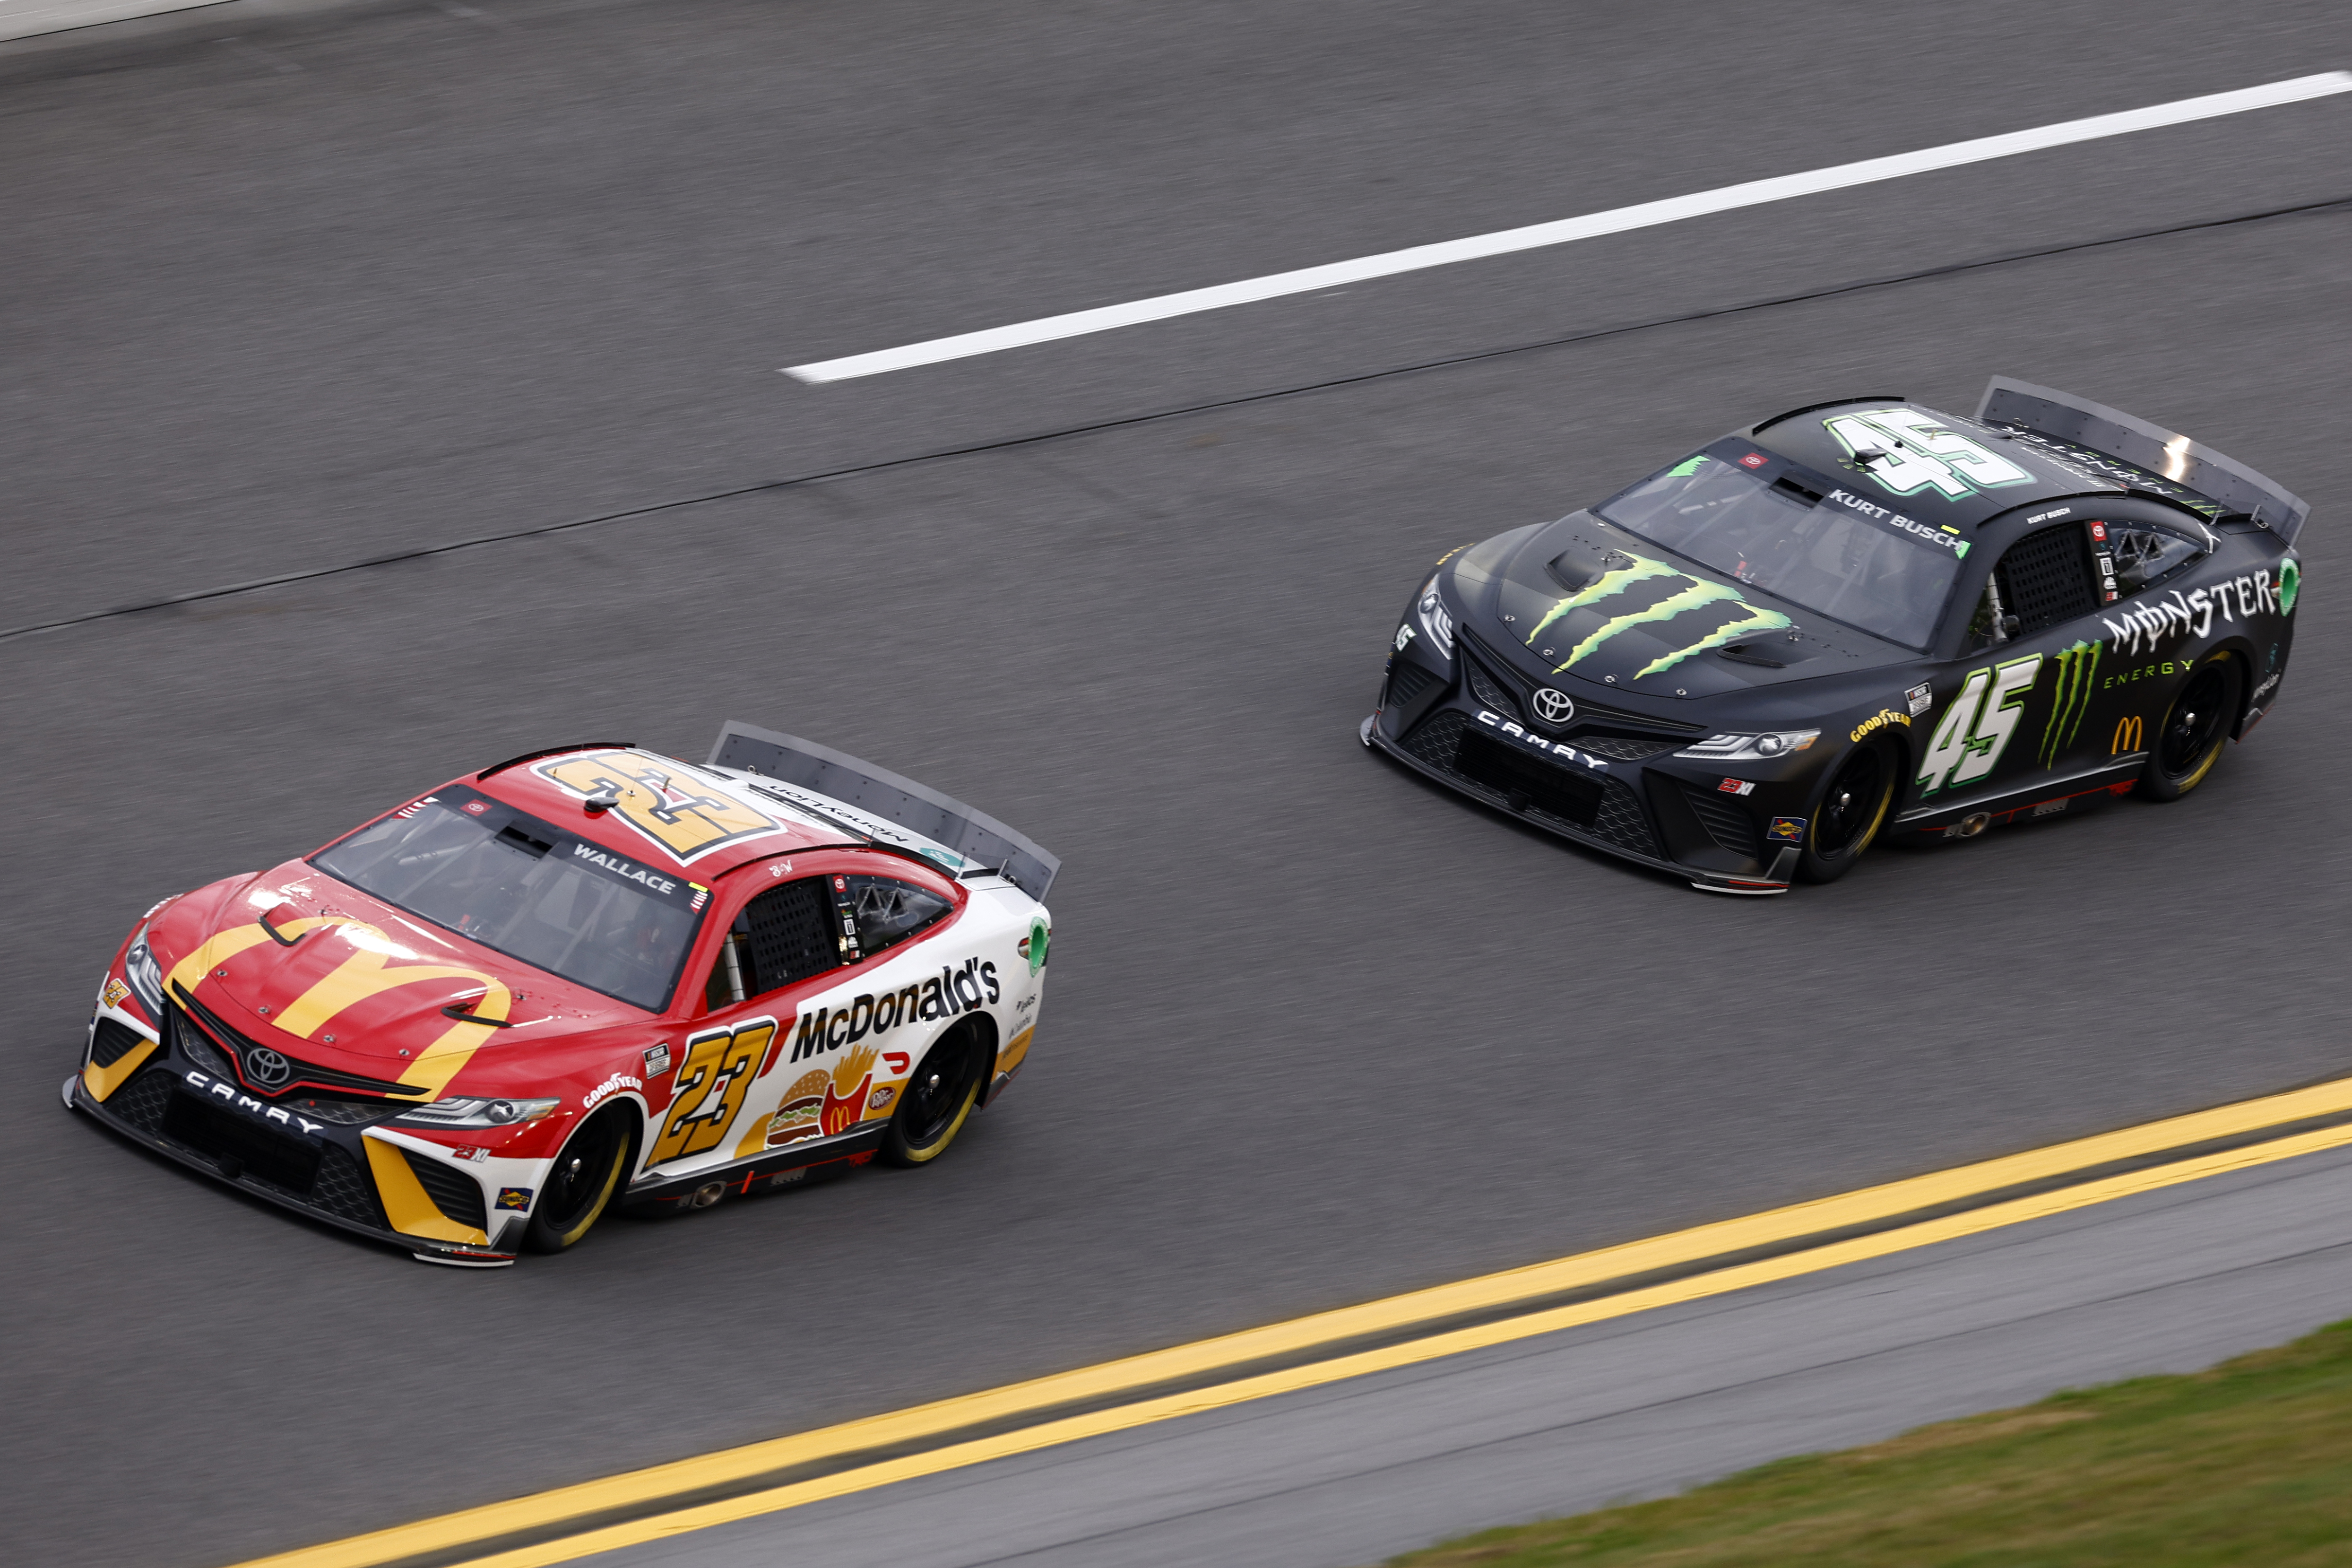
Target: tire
x=1850 y=813
x=580 y=1186
x=938 y=1100
x=2195 y=729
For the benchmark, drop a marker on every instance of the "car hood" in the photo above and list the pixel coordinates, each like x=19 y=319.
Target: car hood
x=1582 y=599
x=299 y=964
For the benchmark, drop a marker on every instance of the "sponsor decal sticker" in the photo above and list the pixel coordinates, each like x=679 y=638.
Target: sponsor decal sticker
x=880 y=1098
x=2147 y=673
x=2076 y=666
x=2146 y=625
x=701 y=897
x=473 y=1153
x=1033 y=946
x=1879 y=720
x=2265 y=689
x=514 y=1197
x=897 y=1062
x=952 y=991
x=475 y=807
x=656 y=1059
x=1786 y=830
x=1737 y=786
x=2130 y=735
x=1686 y=595
x=1754 y=460
x=116 y=990
x=611 y=1086
x=1921 y=698
x=413 y=807
x=802 y=1115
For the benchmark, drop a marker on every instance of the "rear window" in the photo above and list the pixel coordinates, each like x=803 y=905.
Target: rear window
x=1760 y=518
x=527 y=889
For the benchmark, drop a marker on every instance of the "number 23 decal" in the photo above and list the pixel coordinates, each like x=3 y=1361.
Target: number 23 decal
x=711 y=1083
x=1978 y=726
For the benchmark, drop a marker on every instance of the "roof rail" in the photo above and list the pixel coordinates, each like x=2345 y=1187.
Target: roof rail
x=554 y=751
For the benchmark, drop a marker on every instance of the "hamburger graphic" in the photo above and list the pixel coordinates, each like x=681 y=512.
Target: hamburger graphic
x=844 y=1093
x=802 y=1114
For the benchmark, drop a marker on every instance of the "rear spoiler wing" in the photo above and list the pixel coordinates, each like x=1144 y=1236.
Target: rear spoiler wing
x=879 y=793
x=2229 y=484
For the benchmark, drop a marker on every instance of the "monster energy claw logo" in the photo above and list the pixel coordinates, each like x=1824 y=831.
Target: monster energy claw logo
x=2070 y=699
x=1692 y=594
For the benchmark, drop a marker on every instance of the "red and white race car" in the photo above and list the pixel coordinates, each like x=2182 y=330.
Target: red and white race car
x=585 y=976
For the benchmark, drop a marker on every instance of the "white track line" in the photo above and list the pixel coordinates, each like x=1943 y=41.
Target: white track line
x=1754 y=193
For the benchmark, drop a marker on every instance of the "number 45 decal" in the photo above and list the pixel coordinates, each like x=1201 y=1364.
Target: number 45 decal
x=1978 y=725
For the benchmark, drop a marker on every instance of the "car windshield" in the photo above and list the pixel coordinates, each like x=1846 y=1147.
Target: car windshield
x=511 y=882
x=1801 y=538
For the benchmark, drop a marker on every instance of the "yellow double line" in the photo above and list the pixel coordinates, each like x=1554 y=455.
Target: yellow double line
x=694 y=1494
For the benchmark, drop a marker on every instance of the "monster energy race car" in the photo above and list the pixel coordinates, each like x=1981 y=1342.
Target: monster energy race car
x=1857 y=618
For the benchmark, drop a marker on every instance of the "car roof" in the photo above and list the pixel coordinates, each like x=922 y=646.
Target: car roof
x=666 y=813
x=1809 y=437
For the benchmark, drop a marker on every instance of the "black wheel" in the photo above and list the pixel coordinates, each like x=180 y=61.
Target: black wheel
x=2195 y=729
x=1851 y=812
x=579 y=1187
x=938 y=1099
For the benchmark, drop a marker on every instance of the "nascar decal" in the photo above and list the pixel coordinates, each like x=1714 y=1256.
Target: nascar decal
x=2251 y=593
x=2078 y=666
x=941 y=995
x=712 y=1080
x=1917 y=454
x=1719 y=602
x=685 y=818
x=1976 y=727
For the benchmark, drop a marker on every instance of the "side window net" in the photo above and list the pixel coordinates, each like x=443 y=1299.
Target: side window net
x=2145 y=556
x=783 y=936
x=890 y=912
x=2046 y=578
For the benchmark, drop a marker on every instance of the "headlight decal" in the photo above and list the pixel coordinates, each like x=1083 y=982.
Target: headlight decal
x=1436 y=621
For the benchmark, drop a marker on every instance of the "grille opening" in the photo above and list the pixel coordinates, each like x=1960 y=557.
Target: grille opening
x=1528 y=781
x=342 y=1190
x=223 y=1136
x=142 y=1101
x=1407 y=681
x=1490 y=691
x=1802 y=492
x=456 y=1194
x=1731 y=829
x=115 y=1040
x=2046 y=578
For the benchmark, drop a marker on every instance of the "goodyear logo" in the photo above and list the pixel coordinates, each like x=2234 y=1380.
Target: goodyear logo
x=1692 y=600
x=1879 y=720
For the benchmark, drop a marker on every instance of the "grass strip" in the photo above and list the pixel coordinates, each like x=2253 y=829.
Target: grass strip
x=2248 y=1462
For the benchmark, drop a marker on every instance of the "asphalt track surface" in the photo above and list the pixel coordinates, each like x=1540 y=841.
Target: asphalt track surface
x=378 y=279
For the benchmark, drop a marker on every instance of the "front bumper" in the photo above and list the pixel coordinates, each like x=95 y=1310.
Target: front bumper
x=1626 y=803
x=364 y=1178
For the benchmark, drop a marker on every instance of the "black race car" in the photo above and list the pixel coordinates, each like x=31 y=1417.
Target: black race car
x=1857 y=618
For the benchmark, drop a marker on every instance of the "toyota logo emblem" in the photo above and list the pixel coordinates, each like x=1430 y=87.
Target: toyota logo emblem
x=267 y=1067
x=1554 y=707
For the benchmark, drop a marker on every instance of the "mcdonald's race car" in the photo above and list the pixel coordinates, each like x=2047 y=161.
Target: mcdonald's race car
x=585 y=978
x=1855 y=620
